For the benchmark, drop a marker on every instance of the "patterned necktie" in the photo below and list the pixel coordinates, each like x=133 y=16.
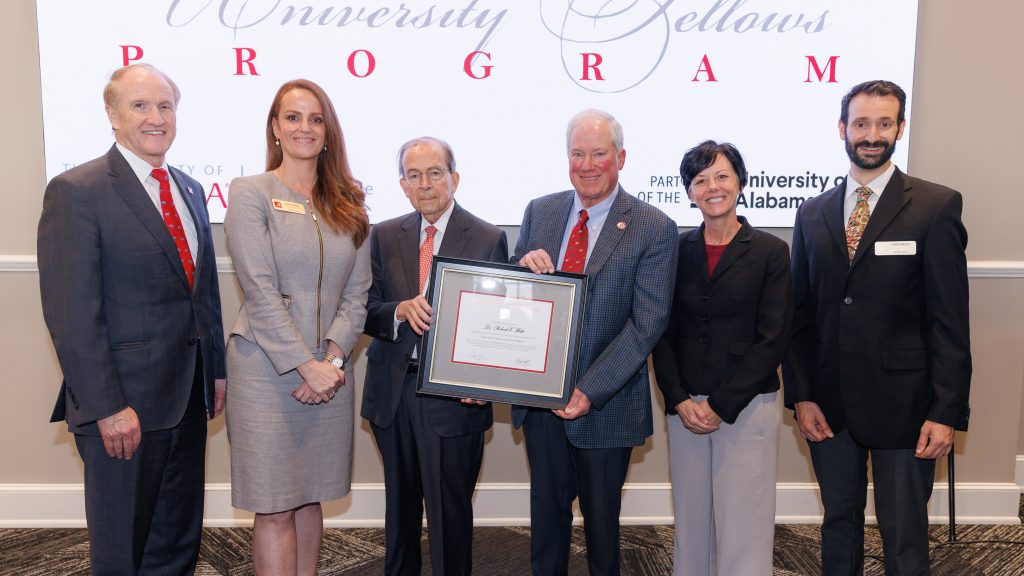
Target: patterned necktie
x=426 y=255
x=173 y=223
x=576 y=252
x=858 y=220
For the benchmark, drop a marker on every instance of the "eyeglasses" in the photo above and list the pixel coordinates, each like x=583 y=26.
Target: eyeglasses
x=433 y=174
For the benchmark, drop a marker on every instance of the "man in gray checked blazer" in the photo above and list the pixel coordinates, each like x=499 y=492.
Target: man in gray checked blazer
x=628 y=250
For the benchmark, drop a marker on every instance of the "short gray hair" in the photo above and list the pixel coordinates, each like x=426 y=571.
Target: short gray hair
x=110 y=90
x=429 y=141
x=595 y=114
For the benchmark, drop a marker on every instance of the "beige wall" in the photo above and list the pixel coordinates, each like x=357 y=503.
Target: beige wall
x=968 y=124
x=967 y=129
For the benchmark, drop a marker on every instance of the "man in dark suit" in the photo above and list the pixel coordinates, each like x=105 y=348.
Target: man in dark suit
x=431 y=447
x=628 y=250
x=880 y=360
x=131 y=299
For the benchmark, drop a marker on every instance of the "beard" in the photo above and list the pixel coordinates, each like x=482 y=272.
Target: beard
x=888 y=148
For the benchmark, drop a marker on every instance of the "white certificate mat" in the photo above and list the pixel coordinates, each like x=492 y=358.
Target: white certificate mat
x=502 y=332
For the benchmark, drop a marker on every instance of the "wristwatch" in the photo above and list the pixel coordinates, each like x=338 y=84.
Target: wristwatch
x=335 y=361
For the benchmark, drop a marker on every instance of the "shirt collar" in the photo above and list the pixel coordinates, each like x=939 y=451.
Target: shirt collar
x=442 y=222
x=877 y=185
x=597 y=211
x=140 y=167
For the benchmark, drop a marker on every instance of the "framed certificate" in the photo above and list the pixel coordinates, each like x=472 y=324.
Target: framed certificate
x=502 y=333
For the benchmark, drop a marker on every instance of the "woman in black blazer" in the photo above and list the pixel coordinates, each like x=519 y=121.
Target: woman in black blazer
x=717 y=366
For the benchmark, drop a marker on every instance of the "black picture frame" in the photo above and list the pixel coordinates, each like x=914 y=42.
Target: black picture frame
x=501 y=310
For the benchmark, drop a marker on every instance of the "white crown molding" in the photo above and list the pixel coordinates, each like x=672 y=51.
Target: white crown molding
x=27 y=263
x=18 y=263
x=504 y=504
x=226 y=266
x=995 y=269
x=975 y=268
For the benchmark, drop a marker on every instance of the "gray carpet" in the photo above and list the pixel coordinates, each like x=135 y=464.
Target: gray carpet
x=646 y=550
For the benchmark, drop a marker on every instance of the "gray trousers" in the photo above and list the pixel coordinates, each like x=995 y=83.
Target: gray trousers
x=723 y=493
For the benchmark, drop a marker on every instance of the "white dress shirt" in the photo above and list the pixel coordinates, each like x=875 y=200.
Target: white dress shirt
x=877 y=187
x=143 y=171
x=441 y=225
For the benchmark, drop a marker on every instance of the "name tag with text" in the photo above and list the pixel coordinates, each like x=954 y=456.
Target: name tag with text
x=286 y=206
x=898 y=248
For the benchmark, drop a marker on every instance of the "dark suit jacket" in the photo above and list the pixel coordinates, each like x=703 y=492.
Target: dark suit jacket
x=728 y=333
x=882 y=343
x=116 y=301
x=631 y=272
x=394 y=257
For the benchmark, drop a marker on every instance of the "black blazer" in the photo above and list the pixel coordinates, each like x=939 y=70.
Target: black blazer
x=394 y=256
x=117 y=302
x=728 y=333
x=882 y=343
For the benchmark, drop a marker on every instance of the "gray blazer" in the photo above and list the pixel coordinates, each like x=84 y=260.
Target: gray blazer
x=117 y=302
x=293 y=298
x=632 y=273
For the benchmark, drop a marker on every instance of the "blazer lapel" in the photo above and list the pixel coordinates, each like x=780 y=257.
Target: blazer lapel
x=833 y=217
x=614 y=227
x=550 y=237
x=889 y=205
x=409 y=249
x=735 y=250
x=456 y=235
x=696 y=252
x=127 y=185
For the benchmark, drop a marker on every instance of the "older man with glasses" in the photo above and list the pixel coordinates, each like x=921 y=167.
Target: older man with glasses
x=431 y=447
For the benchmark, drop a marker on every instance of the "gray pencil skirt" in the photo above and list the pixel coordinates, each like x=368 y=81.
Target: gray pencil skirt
x=284 y=454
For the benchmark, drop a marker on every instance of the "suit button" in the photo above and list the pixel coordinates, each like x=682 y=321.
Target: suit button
x=705 y=297
x=702 y=339
x=192 y=341
x=847 y=300
x=705 y=318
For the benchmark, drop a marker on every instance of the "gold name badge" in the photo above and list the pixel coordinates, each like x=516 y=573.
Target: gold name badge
x=286 y=206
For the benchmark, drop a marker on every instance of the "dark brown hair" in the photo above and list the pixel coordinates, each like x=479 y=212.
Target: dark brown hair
x=874 y=88
x=337 y=196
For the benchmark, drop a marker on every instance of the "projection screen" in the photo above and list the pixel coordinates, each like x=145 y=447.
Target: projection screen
x=498 y=79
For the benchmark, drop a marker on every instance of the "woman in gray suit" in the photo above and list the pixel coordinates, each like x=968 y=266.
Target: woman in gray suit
x=717 y=367
x=297 y=234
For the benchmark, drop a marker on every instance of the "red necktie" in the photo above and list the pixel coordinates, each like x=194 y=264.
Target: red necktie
x=576 y=252
x=426 y=255
x=173 y=223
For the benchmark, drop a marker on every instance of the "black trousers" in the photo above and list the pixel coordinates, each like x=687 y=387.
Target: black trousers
x=559 y=472
x=421 y=466
x=145 y=515
x=903 y=485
